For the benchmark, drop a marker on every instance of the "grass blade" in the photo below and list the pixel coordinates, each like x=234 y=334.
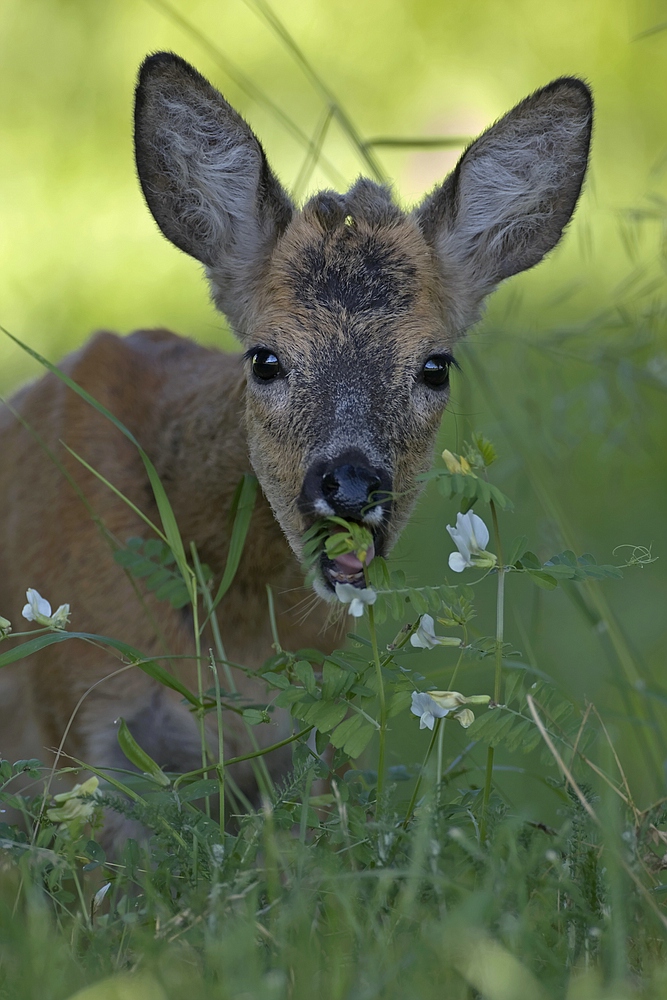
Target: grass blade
x=149 y=667
x=242 y=508
x=167 y=517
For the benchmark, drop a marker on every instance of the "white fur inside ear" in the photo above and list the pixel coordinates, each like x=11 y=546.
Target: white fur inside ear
x=509 y=194
x=214 y=173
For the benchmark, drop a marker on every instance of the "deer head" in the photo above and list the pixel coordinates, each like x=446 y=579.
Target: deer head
x=349 y=308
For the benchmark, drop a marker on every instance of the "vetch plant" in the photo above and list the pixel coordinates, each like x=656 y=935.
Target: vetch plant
x=344 y=700
x=432 y=705
x=471 y=536
x=425 y=637
x=74 y=808
x=357 y=598
x=38 y=610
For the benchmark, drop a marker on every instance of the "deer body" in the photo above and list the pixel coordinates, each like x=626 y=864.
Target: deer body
x=183 y=402
x=349 y=310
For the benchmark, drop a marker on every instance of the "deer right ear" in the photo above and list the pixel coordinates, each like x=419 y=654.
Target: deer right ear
x=206 y=179
x=512 y=193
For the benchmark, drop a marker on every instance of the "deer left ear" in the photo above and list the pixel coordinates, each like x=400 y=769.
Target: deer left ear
x=514 y=189
x=206 y=180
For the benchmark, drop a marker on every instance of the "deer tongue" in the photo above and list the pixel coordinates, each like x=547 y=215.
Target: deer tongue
x=349 y=563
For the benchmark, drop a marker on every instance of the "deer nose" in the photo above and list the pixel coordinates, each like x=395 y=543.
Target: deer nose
x=348 y=489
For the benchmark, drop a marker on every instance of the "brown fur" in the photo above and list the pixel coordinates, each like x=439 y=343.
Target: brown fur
x=353 y=296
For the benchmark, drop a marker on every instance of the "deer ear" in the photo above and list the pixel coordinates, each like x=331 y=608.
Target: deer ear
x=514 y=189
x=206 y=179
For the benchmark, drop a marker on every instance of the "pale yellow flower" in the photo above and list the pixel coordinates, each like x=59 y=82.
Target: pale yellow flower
x=460 y=465
x=76 y=807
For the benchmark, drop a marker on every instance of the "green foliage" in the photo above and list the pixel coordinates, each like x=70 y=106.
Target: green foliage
x=565 y=566
x=325 y=891
x=153 y=562
x=396 y=598
x=469 y=489
x=512 y=726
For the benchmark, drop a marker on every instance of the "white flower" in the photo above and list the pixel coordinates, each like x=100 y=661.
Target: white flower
x=425 y=637
x=38 y=610
x=5 y=627
x=432 y=705
x=427 y=709
x=355 y=597
x=98 y=898
x=471 y=536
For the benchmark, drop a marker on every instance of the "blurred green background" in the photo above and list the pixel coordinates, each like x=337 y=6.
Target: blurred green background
x=567 y=372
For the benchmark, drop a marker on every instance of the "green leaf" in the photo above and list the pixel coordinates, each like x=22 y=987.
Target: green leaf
x=512 y=682
x=346 y=729
x=543 y=579
x=398 y=703
x=158 y=578
x=560 y=571
x=137 y=756
x=334 y=680
x=340 y=661
x=149 y=667
x=500 y=499
x=321 y=741
x=291 y=696
x=175 y=592
x=325 y=715
x=125 y=557
x=357 y=743
x=519 y=546
x=243 y=505
x=600 y=572
x=276 y=680
x=255 y=717
x=418 y=602
x=483 y=491
x=198 y=790
x=304 y=672
x=485 y=448
x=96 y=854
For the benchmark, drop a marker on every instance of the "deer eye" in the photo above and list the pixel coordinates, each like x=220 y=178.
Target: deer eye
x=265 y=365
x=435 y=372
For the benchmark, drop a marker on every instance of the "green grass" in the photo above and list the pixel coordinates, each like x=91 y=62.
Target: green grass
x=519 y=858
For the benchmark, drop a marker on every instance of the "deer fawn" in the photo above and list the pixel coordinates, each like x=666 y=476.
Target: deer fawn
x=348 y=311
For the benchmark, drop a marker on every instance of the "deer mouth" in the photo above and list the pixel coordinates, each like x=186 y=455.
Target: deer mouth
x=347 y=568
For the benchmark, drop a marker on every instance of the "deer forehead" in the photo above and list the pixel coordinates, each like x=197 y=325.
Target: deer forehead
x=354 y=293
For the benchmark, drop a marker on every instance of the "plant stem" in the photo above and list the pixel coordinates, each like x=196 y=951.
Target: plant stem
x=232 y=760
x=221 y=745
x=437 y=730
x=194 y=601
x=383 y=710
x=497 y=685
x=441 y=746
x=441 y=722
